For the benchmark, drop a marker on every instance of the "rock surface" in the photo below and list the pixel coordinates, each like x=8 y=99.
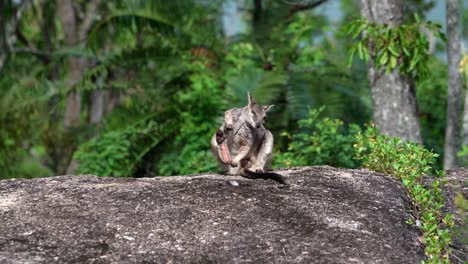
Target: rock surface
x=326 y=215
x=457 y=183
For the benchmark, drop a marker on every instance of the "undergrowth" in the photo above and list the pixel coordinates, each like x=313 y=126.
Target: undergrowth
x=119 y=153
x=320 y=141
x=410 y=163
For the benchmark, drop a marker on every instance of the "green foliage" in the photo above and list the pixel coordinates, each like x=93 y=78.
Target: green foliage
x=461 y=232
x=295 y=71
x=243 y=72
x=326 y=141
x=29 y=167
x=197 y=106
x=19 y=162
x=168 y=23
x=464 y=21
x=431 y=94
x=139 y=53
x=463 y=155
x=22 y=106
x=183 y=88
x=119 y=153
x=402 y=47
x=410 y=163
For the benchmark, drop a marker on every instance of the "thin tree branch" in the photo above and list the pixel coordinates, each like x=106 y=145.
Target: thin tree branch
x=7 y=27
x=4 y=48
x=21 y=37
x=64 y=10
x=47 y=25
x=48 y=55
x=33 y=51
x=31 y=47
x=88 y=19
x=299 y=8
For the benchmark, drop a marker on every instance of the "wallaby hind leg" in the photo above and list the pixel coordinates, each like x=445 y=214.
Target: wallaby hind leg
x=265 y=153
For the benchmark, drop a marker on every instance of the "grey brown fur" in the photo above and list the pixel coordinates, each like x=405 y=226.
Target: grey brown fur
x=250 y=145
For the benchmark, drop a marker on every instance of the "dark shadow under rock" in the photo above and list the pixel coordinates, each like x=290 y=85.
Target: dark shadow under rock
x=326 y=215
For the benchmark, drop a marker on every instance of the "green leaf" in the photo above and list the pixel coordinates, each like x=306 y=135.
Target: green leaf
x=383 y=59
x=360 y=50
x=393 y=50
x=350 y=59
x=393 y=62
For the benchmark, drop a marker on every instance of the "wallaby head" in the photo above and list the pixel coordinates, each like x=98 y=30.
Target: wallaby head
x=256 y=113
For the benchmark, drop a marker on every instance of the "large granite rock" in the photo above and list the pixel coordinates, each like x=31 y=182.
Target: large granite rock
x=326 y=215
x=457 y=184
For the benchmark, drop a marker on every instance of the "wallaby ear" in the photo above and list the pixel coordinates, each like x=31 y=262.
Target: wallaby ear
x=251 y=99
x=267 y=108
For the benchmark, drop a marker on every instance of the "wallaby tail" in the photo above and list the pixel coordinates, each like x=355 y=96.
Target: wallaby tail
x=264 y=175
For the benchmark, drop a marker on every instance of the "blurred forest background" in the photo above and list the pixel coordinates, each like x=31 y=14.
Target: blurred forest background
x=137 y=88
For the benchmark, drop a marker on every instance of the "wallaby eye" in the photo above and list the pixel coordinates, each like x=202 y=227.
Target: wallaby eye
x=253 y=113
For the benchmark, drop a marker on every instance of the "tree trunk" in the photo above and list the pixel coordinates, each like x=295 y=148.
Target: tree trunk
x=465 y=115
x=75 y=65
x=71 y=118
x=96 y=107
x=3 y=36
x=394 y=100
x=74 y=33
x=257 y=11
x=8 y=26
x=112 y=98
x=51 y=139
x=73 y=104
x=454 y=104
x=465 y=121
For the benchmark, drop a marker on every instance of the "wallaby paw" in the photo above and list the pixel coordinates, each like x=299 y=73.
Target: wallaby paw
x=219 y=136
x=257 y=169
x=234 y=163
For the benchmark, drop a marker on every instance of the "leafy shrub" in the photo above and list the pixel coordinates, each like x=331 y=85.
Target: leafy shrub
x=188 y=162
x=22 y=164
x=461 y=232
x=20 y=119
x=404 y=48
x=431 y=94
x=197 y=107
x=118 y=153
x=409 y=163
x=463 y=155
x=325 y=141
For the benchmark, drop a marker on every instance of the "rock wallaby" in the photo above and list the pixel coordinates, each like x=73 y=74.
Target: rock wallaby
x=242 y=145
